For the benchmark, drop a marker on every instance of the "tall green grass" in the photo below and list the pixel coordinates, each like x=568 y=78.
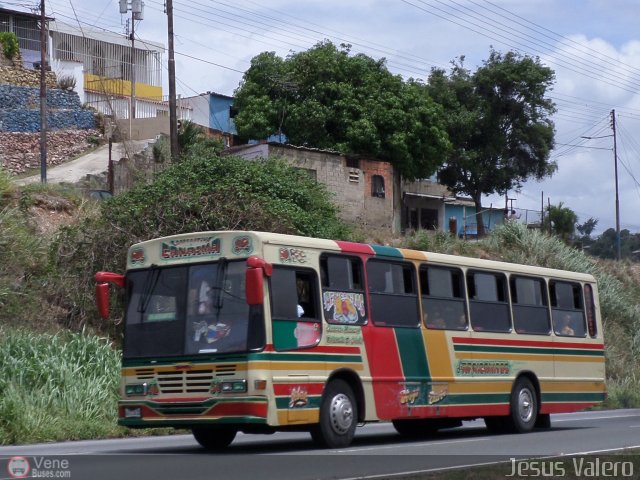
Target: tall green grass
x=56 y=387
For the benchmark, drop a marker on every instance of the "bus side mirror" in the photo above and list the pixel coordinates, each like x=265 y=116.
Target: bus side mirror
x=103 y=279
x=102 y=299
x=254 y=286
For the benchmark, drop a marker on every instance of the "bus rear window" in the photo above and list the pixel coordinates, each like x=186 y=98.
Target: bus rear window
x=567 y=309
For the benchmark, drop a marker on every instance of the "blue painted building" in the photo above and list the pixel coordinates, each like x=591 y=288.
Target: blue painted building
x=214 y=112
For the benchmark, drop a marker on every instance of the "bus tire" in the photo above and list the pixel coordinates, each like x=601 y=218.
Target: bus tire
x=338 y=416
x=214 y=438
x=524 y=406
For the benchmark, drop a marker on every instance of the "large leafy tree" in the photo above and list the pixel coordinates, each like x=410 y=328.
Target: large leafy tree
x=498 y=122
x=327 y=98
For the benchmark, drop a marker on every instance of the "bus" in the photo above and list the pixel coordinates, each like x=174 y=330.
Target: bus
x=254 y=332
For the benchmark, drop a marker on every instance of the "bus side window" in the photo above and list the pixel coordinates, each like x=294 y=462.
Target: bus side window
x=443 y=298
x=342 y=289
x=567 y=309
x=489 y=308
x=392 y=289
x=529 y=304
x=294 y=294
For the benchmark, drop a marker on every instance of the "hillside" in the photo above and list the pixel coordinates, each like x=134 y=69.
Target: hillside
x=52 y=240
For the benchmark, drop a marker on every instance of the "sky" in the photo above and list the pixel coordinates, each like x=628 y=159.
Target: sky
x=592 y=45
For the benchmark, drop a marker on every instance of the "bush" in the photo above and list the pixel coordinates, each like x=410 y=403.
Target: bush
x=198 y=194
x=66 y=82
x=9 y=42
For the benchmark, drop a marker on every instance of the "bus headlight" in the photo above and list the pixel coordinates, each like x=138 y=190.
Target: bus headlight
x=234 y=386
x=135 y=389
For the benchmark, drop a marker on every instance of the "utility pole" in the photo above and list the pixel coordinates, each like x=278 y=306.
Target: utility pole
x=615 y=163
x=43 y=95
x=137 y=13
x=133 y=67
x=173 y=120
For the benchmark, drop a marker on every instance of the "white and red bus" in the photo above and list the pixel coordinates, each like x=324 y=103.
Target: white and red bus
x=259 y=332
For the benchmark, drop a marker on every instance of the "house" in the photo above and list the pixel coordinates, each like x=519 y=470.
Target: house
x=363 y=188
x=427 y=205
x=372 y=195
x=215 y=113
x=105 y=66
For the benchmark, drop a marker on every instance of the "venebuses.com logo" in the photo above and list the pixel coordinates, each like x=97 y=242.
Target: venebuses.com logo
x=38 y=467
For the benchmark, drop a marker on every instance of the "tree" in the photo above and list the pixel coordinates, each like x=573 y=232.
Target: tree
x=498 y=124
x=587 y=227
x=560 y=221
x=326 y=98
x=605 y=246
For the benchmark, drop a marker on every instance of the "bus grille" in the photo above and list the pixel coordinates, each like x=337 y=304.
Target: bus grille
x=191 y=381
x=185 y=381
x=181 y=409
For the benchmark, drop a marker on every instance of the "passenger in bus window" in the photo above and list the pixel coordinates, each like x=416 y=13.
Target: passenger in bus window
x=205 y=300
x=435 y=320
x=565 y=325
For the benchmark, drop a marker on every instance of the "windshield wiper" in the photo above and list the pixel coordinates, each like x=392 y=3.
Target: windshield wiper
x=218 y=300
x=149 y=286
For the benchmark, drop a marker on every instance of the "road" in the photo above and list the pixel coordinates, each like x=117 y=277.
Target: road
x=377 y=451
x=92 y=163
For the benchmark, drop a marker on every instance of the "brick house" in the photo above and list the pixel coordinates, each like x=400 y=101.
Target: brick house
x=364 y=189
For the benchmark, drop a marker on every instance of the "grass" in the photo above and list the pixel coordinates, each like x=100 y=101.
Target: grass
x=56 y=387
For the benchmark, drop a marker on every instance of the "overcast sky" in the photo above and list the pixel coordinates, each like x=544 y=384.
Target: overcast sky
x=593 y=46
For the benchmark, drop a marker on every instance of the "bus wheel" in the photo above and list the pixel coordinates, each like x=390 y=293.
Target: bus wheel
x=415 y=428
x=524 y=406
x=214 y=438
x=338 y=416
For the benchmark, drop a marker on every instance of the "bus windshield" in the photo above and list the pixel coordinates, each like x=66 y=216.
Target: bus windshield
x=190 y=310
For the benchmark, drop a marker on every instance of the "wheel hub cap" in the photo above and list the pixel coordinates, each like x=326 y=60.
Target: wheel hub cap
x=341 y=413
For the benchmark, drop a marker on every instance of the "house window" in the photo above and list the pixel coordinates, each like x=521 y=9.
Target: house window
x=354 y=176
x=352 y=162
x=377 y=186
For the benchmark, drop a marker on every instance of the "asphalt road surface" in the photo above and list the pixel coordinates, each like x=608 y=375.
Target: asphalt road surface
x=377 y=452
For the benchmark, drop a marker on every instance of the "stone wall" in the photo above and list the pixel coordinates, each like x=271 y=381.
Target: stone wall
x=20 y=110
x=13 y=73
x=20 y=152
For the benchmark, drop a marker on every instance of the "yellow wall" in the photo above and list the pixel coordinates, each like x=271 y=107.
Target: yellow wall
x=118 y=86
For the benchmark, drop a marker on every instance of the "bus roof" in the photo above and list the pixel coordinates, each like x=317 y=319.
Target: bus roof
x=200 y=246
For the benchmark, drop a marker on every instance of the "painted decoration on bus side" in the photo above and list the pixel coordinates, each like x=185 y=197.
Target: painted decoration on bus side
x=422 y=394
x=191 y=247
x=299 y=397
x=288 y=335
x=242 y=245
x=469 y=368
x=348 y=307
x=292 y=255
x=137 y=256
x=344 y=334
